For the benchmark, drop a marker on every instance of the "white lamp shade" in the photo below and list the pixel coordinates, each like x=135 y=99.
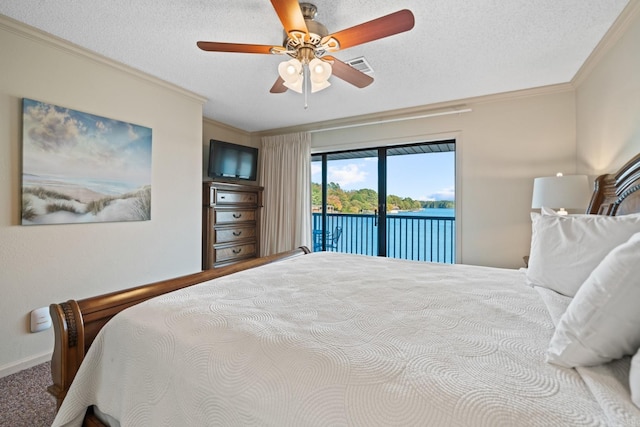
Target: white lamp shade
x=291 y=73
x=565 y=191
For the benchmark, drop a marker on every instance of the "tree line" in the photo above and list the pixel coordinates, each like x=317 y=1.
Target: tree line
x=366 y=200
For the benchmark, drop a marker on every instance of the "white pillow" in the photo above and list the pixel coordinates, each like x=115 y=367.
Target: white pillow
x=602 y=322
x=634 y=379
x=565 y=249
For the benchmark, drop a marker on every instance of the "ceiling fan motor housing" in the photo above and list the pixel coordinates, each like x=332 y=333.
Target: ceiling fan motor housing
x=309 y=10
x=295 y=41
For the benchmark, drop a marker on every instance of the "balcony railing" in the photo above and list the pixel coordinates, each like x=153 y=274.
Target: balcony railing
x=414 y=237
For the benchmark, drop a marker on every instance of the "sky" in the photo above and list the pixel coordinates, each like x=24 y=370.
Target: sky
x=429 y=176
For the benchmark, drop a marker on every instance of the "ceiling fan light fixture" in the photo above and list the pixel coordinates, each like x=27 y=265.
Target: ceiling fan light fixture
x=290 y=70
x=296 y=86
x=316 y=87
x=320 y=72
x=291 y=73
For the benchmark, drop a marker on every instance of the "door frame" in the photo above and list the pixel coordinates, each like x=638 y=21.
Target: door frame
x=382 y=153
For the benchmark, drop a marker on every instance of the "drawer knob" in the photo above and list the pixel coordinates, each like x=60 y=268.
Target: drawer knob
x=237 y=233
x=237 y=215
x=236 y=251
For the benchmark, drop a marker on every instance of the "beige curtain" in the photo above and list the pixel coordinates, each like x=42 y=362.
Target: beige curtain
x=285 y=173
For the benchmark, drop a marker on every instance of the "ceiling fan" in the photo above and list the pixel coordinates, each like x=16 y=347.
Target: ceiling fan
x=308 y=42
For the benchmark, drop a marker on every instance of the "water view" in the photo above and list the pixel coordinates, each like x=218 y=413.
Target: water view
x=425 y=235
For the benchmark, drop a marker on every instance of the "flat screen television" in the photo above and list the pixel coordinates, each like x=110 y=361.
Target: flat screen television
x=232 y=161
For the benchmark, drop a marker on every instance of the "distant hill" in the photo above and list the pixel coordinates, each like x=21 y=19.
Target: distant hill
x=366 y=200
x=438 y=204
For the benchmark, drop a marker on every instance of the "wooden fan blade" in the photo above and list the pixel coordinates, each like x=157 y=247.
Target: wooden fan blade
x=348 y=73
x=238 y=47
x=290 y=15
x=278 y=86
x=384 y=26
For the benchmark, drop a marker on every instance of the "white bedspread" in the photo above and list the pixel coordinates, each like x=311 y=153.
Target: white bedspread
x=332 y=339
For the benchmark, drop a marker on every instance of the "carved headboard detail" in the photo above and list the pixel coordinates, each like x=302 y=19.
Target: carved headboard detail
x=617 y=193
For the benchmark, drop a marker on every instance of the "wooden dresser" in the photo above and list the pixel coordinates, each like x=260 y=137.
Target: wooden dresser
x=230 y=223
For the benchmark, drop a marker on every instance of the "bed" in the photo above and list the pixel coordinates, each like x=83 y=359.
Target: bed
x=307 y=339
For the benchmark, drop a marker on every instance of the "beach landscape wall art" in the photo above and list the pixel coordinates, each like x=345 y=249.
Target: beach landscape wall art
x=79 y=167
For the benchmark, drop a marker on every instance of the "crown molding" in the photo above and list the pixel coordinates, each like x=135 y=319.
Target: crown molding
x=49 y=40
x=226 y=127
x=617 y=30
x=430 y=110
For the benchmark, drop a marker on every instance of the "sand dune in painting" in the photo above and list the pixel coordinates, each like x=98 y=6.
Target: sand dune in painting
x=63 y=203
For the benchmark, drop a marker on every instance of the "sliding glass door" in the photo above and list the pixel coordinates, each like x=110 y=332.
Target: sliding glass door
x=345 y=202
x=422 y=225
x=389 y=201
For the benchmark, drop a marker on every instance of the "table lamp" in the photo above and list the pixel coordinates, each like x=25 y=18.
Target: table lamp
x=561 y=192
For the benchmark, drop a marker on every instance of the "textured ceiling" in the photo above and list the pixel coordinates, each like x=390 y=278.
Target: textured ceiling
x=457 y=49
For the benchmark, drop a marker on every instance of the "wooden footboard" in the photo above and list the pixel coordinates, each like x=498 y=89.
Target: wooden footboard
x=76 y=323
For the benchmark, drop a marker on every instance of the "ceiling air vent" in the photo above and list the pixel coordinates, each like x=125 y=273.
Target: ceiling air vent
x=360 y=64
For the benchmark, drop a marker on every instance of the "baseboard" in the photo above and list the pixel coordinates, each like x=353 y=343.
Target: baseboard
x=24 y=364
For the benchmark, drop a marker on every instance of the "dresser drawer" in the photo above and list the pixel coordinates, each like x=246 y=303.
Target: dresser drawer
x=234 y=216
x=224 y=235
x=234 y=252
x=230 y=223
x=236 y=198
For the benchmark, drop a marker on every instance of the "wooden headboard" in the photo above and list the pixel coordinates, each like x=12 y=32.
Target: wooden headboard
x=617 y=193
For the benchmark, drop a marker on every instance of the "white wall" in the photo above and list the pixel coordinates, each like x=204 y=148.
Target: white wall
x=502 y=144
x=52 y=263
x=608 y=101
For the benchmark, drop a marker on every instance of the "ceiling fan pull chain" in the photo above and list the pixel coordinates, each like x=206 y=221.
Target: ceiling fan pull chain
x=305 y=82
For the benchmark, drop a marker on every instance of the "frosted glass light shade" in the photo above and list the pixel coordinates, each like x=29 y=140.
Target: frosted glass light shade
x=316 y=87
x=320 y=72
x=291 y=73
x=565 y=191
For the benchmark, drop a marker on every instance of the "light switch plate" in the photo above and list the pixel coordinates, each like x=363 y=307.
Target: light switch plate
x=40 y=319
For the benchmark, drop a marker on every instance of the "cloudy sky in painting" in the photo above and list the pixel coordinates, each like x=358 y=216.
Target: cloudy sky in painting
x=80 y=146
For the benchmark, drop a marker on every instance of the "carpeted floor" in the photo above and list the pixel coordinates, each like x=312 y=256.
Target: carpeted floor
x=24 y=400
